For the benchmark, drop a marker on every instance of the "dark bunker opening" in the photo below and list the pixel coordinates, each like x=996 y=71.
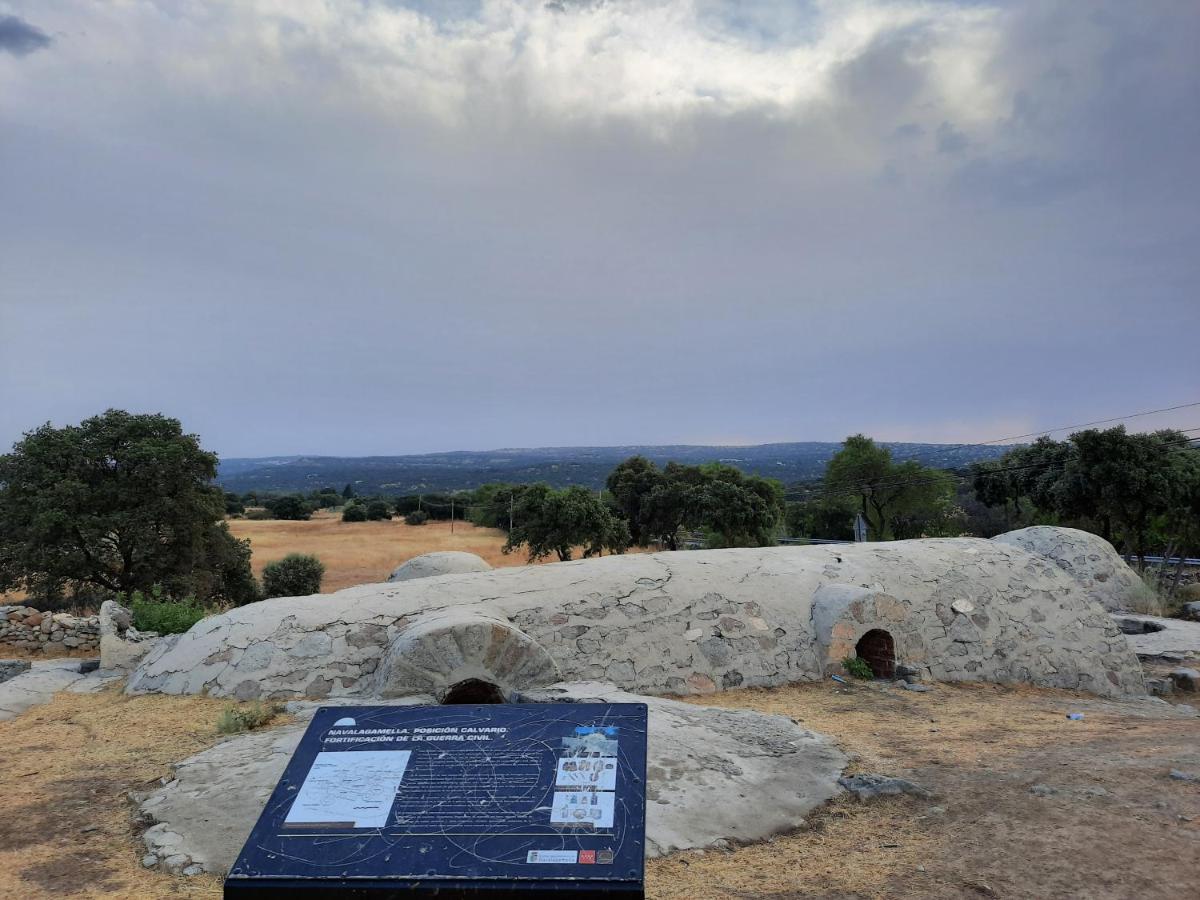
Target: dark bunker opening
x=877 y=649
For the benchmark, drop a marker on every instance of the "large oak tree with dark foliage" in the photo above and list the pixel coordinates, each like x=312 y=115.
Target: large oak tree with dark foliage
x=120 y=502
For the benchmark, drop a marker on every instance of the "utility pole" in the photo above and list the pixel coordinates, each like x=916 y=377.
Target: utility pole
x=452 y=514
x=511 y=498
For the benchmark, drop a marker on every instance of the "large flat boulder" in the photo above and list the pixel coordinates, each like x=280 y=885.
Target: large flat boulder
x=712 y=774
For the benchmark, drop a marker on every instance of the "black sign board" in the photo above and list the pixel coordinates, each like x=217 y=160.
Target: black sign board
x=496 y=801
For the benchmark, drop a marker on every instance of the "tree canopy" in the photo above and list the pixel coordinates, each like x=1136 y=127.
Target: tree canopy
x=736 y=509
x=120 y=502
x=897 y=500
x=556 y=521
x=1130 y=489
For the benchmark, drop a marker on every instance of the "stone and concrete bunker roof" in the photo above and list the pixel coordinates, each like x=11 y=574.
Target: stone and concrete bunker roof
x=666 y=623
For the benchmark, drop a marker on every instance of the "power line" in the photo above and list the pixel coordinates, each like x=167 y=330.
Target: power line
x=1028 y=434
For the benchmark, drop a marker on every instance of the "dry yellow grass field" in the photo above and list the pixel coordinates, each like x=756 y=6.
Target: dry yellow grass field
x=366 y=552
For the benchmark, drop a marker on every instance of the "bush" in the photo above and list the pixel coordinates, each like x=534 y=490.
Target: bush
x=236 y=719
x=354 y=513
x=857 y=667
x=158 y=613
x=296 y=575
x=378 y=510
x=416 y=517
x=289 y=506
x=259 y=514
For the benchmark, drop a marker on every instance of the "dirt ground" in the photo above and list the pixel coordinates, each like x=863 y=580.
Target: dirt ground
x=1108 y=822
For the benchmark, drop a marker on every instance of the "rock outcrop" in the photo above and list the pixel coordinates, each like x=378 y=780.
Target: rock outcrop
x=444 y=562
x=121 y=645
x=959 y=609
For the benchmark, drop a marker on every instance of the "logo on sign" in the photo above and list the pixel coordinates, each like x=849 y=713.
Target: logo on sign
x=587 y=857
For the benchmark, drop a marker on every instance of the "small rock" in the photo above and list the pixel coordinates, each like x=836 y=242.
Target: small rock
x=720 y=844
x=936 y=811
x=1192 y=610
x=88 y=828
x=1186 y=679
x=1180 y=775
x=1043 y=790
x=193 y=869
x=963 y=607
x=921 y=688
x=1160 y=687
x=88 y=665
x=149 y=861
x=904 y=671
x=868 y=787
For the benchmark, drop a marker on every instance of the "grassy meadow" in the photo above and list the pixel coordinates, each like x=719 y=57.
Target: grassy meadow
x=365 y=552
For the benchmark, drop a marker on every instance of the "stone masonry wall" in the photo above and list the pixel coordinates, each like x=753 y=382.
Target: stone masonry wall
x=30 y=629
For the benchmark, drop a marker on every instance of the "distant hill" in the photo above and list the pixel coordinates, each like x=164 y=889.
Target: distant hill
x=558 y=466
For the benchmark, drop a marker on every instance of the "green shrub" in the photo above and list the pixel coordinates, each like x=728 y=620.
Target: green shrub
x=416 y=517
x=857 y=667
x=296 y=575
x=159 y=613
x=378 y=510
x=259 y=514
x=354 y=513
x=236 y=719
x=289 y=506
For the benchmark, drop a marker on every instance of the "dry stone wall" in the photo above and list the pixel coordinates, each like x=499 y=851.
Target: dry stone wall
x=668 y=623
x=26 y=628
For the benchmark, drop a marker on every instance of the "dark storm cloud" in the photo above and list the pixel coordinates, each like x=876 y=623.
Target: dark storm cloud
x=20 y=38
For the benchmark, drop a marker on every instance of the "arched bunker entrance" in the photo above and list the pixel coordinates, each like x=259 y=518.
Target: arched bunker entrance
x=878 y=650
x=473 y=690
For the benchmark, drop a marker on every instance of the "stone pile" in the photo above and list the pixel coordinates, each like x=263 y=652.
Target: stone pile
x=31 y=629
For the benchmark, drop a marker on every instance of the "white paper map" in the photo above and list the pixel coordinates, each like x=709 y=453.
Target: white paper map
x=352 y=789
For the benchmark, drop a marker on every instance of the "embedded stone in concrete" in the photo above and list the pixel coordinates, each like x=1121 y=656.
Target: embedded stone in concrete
x=1086 y=557
x=712 y=775
x=443 y=562
x=437 y=652
x=680 y=623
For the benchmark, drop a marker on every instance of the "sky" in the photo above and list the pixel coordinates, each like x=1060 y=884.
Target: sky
x=371 y=226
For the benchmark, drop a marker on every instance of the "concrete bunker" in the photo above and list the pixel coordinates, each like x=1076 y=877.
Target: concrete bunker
x=852 y=621
x=877 y=648
x=460 y=656
x=956 y=609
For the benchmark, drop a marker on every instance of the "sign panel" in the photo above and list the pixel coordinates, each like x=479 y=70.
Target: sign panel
x=505 y=800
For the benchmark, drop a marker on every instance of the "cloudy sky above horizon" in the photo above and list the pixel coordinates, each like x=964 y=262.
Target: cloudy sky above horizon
x=375 y=226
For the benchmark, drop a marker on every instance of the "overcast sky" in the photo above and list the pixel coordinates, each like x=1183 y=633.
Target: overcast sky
x=358 y=226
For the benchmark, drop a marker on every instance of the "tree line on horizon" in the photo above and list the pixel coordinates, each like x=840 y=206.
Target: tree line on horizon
x=126 y=503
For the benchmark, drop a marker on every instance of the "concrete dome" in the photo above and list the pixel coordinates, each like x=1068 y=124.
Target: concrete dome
x=1086 y=557
x=444 y=562
x=958 y=609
